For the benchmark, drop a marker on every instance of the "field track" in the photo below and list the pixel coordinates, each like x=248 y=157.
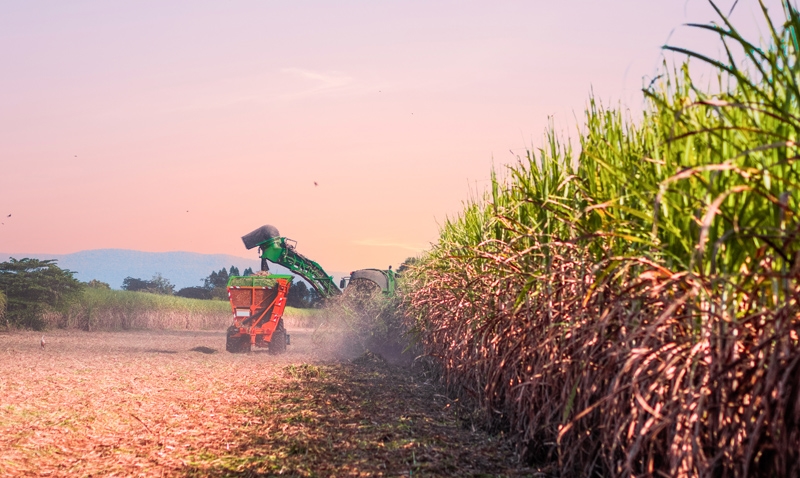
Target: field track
x=174 y=403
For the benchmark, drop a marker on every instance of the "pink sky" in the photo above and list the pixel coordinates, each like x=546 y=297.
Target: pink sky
x=166 y=126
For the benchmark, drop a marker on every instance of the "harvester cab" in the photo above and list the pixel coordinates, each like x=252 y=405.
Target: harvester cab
x=386 y=280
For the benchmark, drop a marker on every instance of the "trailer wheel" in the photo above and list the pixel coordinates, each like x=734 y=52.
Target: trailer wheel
x=278 y=343
x=237 y=345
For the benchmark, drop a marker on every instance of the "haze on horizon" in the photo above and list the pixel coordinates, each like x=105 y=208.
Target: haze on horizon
x=354 y=127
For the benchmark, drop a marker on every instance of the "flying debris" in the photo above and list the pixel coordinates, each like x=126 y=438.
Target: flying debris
x=315 y=183
x=42 y=343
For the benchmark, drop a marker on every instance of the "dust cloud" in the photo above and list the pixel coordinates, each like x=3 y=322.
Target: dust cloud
x=362 y=320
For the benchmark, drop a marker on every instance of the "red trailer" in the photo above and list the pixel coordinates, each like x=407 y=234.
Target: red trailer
x=257 y=303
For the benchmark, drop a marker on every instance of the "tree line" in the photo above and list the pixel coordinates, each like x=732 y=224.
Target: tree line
x=31 y=287
x=215 y=287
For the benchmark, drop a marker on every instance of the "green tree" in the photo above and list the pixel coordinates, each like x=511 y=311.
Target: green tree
x=156 y=285
x=302 y=296
x=3 y=305
x=210 y=281
x=161 y=285
x=216 y=279
x=248 y=271
x=134 y=285
x=407 y=264
x=234 y=271
x=32 y=286
x=96 y=284
x=222 y=278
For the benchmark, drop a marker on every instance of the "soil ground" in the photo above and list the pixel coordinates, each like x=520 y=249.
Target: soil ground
x=174 y=403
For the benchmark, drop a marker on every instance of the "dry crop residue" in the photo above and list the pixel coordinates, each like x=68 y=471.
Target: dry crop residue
x=135 y=403
x=174 y=403
x=361 y=418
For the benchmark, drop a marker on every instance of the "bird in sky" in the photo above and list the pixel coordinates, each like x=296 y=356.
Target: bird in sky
x=9 y=215
x=315 y=183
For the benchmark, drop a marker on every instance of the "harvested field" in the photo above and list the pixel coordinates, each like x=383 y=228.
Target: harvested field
x=174 y=403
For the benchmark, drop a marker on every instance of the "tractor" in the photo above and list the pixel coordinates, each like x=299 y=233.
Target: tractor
x=258 y=301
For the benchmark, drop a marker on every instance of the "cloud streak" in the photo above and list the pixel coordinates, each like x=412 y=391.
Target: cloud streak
x=321 y=82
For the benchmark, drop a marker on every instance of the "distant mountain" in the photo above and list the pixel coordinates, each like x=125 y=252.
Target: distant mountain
x=184 y=269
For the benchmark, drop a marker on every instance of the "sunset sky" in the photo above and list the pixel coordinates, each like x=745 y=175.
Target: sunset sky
x=183 y=125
